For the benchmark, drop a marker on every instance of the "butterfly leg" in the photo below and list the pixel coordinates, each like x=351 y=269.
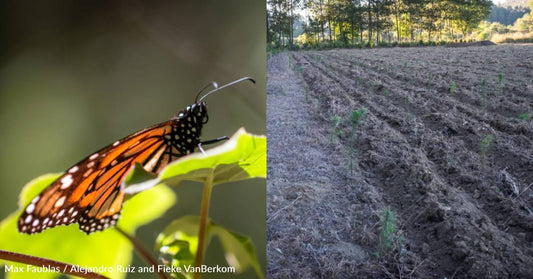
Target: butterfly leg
x=210 y=142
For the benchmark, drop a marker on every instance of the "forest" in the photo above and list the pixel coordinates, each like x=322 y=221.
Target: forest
x=507 y=15
x=368 y=23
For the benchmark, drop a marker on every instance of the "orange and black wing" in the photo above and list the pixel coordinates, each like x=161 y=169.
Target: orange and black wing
x=89 y=193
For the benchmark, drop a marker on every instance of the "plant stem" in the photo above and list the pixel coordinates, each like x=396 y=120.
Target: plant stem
x=143 y=252
x=202 y=230
x=64 y=268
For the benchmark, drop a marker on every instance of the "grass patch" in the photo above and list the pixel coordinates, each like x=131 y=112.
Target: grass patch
x=514 y=37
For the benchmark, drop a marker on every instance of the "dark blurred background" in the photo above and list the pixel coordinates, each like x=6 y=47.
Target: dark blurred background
x=77 y=75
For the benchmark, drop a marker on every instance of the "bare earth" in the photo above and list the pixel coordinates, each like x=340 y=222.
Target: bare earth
x=445 y=142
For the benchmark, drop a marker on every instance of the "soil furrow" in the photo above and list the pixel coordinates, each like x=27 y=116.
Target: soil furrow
x=445 y=162
x=318 y=214
x=469 y=111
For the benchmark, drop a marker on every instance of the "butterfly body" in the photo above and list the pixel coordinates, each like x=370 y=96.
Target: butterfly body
x=89 y=193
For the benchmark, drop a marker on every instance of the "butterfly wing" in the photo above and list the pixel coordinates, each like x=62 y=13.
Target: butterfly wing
x=90 y=192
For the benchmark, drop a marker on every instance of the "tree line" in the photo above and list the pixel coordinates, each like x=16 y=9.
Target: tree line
x=346 y=22
x=507 y=15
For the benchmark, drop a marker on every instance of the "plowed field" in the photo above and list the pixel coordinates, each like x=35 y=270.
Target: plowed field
x=401 y=163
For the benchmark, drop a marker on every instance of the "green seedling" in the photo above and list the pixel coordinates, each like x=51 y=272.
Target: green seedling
x=453 y=87
x=524 y=116
x=388 y=223
x=335 y=129
x=389 y=238
x=485 y=144
x=352 y=163
x=356 y=116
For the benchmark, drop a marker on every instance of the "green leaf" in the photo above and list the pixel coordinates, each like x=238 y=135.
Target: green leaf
x=107 y=249
x=243 y=156
x=179 y=242
x=181 y=234
x=239 y=250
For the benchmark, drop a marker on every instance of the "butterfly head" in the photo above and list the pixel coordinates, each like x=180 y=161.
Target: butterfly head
x=196 y=113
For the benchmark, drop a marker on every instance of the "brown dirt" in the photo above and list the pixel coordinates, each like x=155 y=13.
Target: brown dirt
x=480 y=43
x=418 y=150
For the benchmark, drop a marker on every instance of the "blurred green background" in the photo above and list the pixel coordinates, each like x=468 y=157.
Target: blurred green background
x=77 y=75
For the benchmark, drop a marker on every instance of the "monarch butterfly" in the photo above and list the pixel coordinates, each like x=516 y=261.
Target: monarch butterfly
x=90 y=193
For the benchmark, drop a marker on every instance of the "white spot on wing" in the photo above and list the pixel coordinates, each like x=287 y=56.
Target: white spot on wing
x=36 y=199
x=94 y=156
x=35 y=222
x=73 y=169
x=61 y=213
x=116 y=143
x=28 y=219
x=30 y=208
x=66 y=181
x=60 y=202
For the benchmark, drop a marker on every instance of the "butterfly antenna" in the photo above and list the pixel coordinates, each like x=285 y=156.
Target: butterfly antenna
x=214 y=84
x=226 y=85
